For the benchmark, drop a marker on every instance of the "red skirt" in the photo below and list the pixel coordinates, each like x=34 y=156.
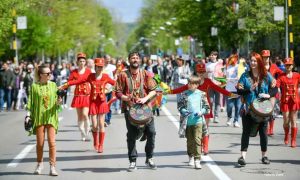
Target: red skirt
x=98 y=107
x=80 y=101
x=290 y=106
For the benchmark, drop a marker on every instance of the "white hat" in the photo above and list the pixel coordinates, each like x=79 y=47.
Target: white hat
x=29 y=66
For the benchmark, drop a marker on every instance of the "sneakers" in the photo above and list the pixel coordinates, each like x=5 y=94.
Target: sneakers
x=119 y=111
x=39 y=168
x=241 y=161
x=236 y=124
x=265 y=160
x=132 y=166
x=216 y=120
x=150 y=163
x=191 y=161
x=228 y=122
x=53 y=171
x=197 y=164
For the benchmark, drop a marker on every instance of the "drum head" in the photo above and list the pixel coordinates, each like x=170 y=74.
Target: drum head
x=262 y=107
x=140 y=114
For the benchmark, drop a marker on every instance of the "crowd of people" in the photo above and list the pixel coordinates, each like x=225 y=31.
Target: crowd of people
x=204 y=87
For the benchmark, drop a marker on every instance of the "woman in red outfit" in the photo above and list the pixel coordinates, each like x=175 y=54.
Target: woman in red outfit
x=289 y=103
x=81 y=99
x=275 y=72
x=205 y=85
x=98 y=104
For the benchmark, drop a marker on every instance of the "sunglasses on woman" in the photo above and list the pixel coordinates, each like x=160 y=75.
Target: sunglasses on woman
x=48 y=74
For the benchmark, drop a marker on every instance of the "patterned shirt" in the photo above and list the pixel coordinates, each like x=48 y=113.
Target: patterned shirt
x=123 y=85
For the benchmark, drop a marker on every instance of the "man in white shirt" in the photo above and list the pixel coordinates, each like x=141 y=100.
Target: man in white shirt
x=108 y=69
x=213 y=95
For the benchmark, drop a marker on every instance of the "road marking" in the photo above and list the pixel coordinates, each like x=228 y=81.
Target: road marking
x=14 y=163
x=208 y=160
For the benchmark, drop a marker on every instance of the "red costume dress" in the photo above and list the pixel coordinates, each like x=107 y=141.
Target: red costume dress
x=289 y=92
x=82 y=91
x=205 y=86
x=98 y=104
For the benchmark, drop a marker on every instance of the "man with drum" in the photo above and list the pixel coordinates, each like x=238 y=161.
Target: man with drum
x=136 y=86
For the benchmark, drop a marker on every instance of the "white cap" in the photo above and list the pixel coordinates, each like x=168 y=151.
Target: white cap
x=29 y=66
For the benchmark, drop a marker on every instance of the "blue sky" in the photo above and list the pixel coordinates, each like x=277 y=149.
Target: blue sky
x=126 y=10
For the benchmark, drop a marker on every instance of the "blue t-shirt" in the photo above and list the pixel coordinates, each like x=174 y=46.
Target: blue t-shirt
x=196 y=104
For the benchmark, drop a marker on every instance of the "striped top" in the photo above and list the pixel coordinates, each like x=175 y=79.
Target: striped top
x=42 y=105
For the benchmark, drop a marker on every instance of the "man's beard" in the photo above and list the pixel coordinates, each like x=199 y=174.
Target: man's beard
x=134 y=65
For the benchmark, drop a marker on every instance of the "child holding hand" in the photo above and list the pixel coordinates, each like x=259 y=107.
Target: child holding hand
x=193 y=106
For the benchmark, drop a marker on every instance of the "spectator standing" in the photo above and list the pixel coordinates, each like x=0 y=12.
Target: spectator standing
x=6 y=84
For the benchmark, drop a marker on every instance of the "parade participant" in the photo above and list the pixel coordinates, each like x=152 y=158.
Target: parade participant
x=98 y=105
x=212 y=94
x=254 y=84
x=137 y=86
x=108 y=69
x=43 y=106
x=64 y=75
x=81 y=99
x=180 y=75
x=275 y=72
x=289 y=104
x=205 y=85
x=196 y=105
x=232 y=79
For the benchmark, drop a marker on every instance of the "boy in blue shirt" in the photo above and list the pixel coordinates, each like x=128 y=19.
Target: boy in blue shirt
x=193 y=106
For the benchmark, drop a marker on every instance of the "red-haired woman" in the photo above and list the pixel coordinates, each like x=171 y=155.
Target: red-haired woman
x=289 y=103
x=81 y=100
x=254 y=84
x=275 y=72
x=205 y=85
x=98 y=105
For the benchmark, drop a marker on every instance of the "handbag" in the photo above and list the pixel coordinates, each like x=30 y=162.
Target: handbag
x=28 y=124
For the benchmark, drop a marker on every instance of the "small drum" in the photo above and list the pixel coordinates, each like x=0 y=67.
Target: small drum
x=261 y=110
x=140 y=114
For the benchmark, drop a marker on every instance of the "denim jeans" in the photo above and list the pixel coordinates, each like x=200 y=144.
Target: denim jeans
x=108 y=115
x=236 y=103
x=116 y=105
x=5 y=96
x=214 y=97
x=1 y=98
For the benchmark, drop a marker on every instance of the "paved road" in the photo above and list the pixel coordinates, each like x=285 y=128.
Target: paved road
x=77 y=160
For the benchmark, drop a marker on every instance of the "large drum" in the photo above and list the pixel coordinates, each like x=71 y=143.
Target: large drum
x=261 y=110
x=140 y=114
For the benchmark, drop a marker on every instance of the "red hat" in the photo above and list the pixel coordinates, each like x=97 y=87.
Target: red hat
x=265 y=53
x=200 y=68
x=288 y=61
x=81 y=55
x=99 y=62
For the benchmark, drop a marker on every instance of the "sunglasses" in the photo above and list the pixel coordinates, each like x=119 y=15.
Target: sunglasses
x=48 y=74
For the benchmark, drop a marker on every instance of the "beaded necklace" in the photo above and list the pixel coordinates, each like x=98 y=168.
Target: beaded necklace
x=45 y=95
